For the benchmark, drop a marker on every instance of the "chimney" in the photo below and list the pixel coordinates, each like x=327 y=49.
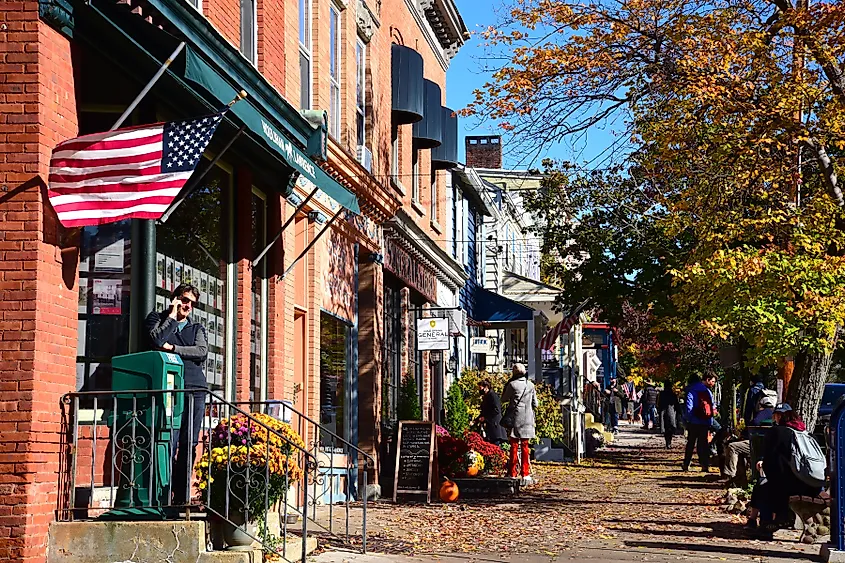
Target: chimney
x=484 y=151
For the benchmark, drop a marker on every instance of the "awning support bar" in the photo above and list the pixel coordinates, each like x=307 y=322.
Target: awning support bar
x=313 y=242
x=195 y=182
x=162 y=69
x=285 y=226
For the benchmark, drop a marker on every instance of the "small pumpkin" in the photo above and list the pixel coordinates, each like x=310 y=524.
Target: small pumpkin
x=472 y=471
x=449 y=491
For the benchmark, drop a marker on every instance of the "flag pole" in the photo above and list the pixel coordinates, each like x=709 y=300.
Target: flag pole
x=194 y=182
x=285 y=226
x=312 y=243
x=148 y=87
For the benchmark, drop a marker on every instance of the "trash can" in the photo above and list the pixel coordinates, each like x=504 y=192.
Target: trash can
x=142 y=427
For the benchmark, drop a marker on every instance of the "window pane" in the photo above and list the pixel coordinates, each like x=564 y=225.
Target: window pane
x=304 y=24
x=334 y=114
x=333 y=365
x=193 y=247
x=304 y=80
x=248 y=29
x=333 y=42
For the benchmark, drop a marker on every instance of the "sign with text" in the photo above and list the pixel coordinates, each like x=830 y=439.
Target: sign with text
x=414 y=459
x=479 y=345
x=433 y=334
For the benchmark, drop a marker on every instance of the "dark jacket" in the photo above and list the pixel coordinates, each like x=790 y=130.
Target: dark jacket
x=669 y=405
x=650 y=395
x=190 y=344
x=751 y=399
x=491 y=410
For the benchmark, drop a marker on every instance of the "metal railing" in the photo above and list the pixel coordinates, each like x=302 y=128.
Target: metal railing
x=341 y=477
x=593 y=401
x=129 y=455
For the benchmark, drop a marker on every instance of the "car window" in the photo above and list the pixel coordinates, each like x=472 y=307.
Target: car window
x=831 y=395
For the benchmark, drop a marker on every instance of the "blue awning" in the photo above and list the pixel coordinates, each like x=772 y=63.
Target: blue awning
x=494 y=308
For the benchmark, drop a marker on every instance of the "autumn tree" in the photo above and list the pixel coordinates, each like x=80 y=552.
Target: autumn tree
x=733 y=115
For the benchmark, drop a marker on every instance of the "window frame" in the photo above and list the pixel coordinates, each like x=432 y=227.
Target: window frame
x=264 y=313
x=415 y=176
x=360 y=92
x=306 y=52
x=252 y=56
x=335 y=70
x=433 y=193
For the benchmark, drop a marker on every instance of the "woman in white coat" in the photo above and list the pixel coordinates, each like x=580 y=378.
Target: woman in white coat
x=520 y=391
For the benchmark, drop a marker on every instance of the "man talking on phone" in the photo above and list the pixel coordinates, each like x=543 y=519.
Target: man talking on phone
x=173 y=331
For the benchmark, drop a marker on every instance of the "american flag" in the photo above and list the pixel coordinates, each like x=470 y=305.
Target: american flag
x=128 y=173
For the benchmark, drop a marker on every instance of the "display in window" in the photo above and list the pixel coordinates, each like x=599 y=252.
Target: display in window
x=83 y=296
x=161 y=265
x=107 y=297
x=110 y=257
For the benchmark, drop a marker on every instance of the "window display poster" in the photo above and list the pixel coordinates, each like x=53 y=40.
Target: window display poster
x=110 y=257
x=170 y=267
x=161 y=303
x=178 y=272
x=212 y=330
x=161 y=277
x=203 y=287
x=107 y=298
x=83 y=295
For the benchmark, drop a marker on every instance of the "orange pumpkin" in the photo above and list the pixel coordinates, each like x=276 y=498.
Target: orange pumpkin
x=449 y=491
x=472 y=471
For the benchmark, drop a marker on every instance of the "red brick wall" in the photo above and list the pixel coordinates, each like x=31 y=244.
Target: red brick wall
x=225 y=15
x=38 y=290
x=243 y=294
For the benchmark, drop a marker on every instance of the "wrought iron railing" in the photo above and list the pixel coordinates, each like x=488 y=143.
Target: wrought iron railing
x=121 y=459
x=593 y=401
x=341 y=478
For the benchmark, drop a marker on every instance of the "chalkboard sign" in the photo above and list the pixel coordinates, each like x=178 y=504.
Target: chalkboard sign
x=414 y=459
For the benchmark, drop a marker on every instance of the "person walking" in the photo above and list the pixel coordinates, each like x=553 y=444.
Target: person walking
x=668 y=406
x=649 y=400
x=521 y=398
x=175 y=331
x=698 y=414
x=614 y=397
x=491 y=414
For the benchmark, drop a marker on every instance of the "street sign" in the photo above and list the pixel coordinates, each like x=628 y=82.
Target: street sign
x=433 y=334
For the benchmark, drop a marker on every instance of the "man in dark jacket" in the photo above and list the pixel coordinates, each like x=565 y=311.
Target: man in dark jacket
x=174 y=331
x=751 y=399
x=698 y=414
x=649 y=401
x=491 y=414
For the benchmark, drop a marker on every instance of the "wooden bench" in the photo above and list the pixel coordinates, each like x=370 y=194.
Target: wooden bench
x=814 y=513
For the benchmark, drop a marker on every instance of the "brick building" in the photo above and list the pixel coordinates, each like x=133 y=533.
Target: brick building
x=332 y=331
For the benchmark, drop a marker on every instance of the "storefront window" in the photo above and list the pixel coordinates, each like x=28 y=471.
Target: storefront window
x=391 y=376
x=415 y=365
x=103 y=325
x=258 y=317
x=194 y=246
x=334 y=336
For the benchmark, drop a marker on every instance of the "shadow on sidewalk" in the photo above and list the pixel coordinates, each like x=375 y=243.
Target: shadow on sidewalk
x=722 y=550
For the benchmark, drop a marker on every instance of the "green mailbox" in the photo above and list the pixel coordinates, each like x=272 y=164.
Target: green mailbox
x=143 y=427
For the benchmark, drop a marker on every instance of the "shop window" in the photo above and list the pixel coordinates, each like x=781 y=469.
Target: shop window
x=334 y=348
x=415 y=364
x=391 y=374
x=334 y=71
x=258 y=316
x=194 y=247
x=249 y=25
x=305 y=54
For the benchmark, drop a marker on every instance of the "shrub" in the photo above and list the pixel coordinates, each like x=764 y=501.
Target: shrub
x=495 y=459
x=409 y=400
x=457 y=416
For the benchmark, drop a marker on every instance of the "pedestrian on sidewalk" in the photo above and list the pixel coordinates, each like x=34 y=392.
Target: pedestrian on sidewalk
x=650 y=395
x=521 y=397
x=614 y=404
x=668 y=405
x=491 y=414
x=698 y=414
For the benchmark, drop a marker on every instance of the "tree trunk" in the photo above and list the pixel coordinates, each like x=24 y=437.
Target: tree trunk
x=728 y=405
x=807 y=385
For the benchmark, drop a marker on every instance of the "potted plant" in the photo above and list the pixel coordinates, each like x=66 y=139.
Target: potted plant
x=254 y=467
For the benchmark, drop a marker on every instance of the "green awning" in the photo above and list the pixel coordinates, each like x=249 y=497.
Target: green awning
x=266 y=129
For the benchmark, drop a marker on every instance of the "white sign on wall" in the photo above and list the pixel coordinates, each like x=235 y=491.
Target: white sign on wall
x=479 y=344
x=433 y=334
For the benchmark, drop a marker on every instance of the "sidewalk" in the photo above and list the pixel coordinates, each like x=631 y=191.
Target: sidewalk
x=632 y=503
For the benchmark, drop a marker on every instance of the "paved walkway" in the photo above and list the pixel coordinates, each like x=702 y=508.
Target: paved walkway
x=632 y=503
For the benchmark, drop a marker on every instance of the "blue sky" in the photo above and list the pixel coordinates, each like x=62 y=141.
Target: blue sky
x=466 y=74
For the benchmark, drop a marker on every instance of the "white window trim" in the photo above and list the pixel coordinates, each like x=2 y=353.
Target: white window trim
x=254 y=59
x=308 y=50
x=433 y=194
x=415 y=177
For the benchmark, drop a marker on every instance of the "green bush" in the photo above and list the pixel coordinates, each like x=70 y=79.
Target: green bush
x=409 y=400
x=457 y=416
x=548 y=414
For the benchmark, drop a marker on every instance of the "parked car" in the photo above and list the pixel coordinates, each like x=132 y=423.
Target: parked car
x=830 y=398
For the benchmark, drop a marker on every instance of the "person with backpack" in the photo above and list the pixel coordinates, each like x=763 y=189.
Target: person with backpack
x=792 y=464
x=752 y=398
x=649 y=399
x=698 y=415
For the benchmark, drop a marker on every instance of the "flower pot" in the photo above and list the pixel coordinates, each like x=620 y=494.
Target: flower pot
x=235 y=533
